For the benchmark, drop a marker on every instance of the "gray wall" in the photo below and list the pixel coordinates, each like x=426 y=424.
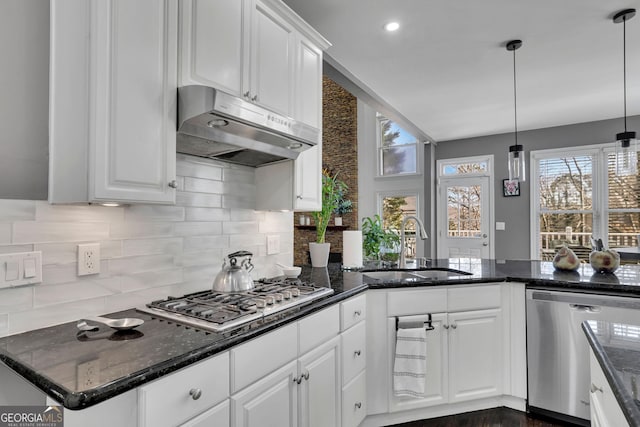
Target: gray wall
x=513 y=243
x=24 y=104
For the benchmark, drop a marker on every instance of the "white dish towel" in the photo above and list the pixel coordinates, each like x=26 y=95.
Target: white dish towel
x=410 y=364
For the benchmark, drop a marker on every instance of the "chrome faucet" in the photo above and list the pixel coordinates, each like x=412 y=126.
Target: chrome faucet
x=403 y=247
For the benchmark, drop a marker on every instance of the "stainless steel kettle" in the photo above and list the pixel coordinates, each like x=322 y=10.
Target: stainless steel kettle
x=234 y=277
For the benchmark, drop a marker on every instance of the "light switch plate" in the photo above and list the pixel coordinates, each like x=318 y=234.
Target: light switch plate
x=273 y=244
x=500 y=226
x=12 y=269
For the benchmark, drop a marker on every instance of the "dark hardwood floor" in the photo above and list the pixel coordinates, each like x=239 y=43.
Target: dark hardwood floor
x=497 y=417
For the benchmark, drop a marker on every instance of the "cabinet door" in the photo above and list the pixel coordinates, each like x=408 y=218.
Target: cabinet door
x=204 y=59
x=133 y=111
x=436 y=379
x=309 y=83
x=270 y=402
x=319 y=390
x=271 y=81
x=475 y=354
x=308 y=180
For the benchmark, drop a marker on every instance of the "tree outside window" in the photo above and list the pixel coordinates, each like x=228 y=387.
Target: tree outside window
x=397 y=149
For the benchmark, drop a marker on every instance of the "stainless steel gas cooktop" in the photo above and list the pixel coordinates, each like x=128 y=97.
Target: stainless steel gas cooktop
x=219 y=311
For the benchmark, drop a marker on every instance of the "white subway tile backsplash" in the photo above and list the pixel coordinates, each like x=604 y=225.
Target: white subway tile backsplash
x=17 y=210
x=198 y=185
x=132 y=230
x=5 y=233
x=16 y=299
x=197 y=228
x=198 y=243
x=167 y=245
x=44 y=232
x=148 y=252
x=154 y=213
x=68 y=292
x=77 y=213
x=241 y=227
x=207 y=214
x=199 y=200
x=138 y=264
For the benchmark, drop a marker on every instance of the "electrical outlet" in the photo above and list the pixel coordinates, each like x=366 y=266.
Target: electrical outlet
x=88 y=374
x=273 y=244
x=88 y=259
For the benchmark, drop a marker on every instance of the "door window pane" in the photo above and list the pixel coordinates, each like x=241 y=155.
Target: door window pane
x=464 y=211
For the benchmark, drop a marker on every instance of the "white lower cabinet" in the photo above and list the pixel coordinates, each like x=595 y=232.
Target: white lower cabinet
x=270 y=402
x=605 y=410
x=218 y=416
x=354 y=399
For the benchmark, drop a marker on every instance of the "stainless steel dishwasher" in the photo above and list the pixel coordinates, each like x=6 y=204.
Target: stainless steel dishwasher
x=557 y=350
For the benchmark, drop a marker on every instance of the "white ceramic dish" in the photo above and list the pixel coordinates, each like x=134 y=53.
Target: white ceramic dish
x=291 y=272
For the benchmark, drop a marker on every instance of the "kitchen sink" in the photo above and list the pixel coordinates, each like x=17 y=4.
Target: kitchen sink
x=414 y=275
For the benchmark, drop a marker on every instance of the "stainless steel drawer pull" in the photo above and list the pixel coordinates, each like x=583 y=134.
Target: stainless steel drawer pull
x=195 y=393
x=454 y=326
x=445 y=326
x=357 y=313
x=595 y=388
x=173 y=184
x=358 y=405
x=356 y=353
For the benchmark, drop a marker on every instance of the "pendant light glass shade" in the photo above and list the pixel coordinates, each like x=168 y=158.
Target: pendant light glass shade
x=516 y=163
x=516 y=151
x=626 y=147
x=626 y=154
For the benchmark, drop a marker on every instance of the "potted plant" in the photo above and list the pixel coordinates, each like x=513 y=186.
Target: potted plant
x=375 y=238
x=332 y=188
x=344 y=206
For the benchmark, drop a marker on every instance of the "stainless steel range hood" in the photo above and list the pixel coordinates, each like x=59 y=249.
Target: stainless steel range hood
x=214 y=124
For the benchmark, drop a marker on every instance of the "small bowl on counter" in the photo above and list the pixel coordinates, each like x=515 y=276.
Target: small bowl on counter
x=291 y=272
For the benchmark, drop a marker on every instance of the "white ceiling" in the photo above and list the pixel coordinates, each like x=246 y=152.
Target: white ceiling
x=448 y=72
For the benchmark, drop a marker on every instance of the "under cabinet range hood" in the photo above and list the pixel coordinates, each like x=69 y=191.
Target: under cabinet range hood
x=217 y=125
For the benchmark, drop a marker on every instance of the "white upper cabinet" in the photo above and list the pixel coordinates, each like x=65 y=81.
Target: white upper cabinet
x=113 y=101
x=257 y=49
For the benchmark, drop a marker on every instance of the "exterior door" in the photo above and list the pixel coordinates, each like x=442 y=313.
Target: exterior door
x=464 y=217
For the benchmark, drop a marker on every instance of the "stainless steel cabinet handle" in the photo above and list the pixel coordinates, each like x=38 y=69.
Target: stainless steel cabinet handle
x=454 y=326
x=299 y=197
x=595 y=388
x=246 y=94
x=195 y=393
x=297 y=380
x=173 y=184
x=357 y=353
x=485 y=244
x=358 y=405
x=445 y=326
x=357 y=313
x=254 y=98
x=306 y=376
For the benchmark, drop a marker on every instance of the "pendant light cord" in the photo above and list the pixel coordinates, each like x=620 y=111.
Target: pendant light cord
x=624 y=68
x=515 y=98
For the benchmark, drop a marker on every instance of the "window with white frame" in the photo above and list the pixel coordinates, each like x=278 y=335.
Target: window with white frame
x=397 y=149
x=576 y=195
x=394 y=208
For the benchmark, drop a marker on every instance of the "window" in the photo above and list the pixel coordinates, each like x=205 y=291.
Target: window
x=578 y=195
x=395 y=207
x=397 y=149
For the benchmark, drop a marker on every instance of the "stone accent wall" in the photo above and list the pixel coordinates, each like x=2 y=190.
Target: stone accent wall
x=339 y=155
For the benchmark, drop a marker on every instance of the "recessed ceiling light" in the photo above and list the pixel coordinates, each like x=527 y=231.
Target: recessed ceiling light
x=391 y=26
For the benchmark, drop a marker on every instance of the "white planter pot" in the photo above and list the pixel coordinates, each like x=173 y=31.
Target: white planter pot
x=338 y=220
x=319 y=254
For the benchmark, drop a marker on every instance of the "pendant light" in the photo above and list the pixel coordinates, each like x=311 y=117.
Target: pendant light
x=516 y=151
x=626 y=148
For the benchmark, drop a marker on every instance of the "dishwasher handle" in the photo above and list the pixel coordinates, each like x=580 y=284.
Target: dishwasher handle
x=586 y=308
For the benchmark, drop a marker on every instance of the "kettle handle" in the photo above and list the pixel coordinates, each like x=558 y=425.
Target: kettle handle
x=239 y=254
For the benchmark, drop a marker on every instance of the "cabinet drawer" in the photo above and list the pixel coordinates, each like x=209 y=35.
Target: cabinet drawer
x=465 y=298
x=352 y=311
x=168 y=401
x=255 y=359
x=354 y=405
x=406 y=303
x=319 y=327
x=353 y=352
x=218 y=416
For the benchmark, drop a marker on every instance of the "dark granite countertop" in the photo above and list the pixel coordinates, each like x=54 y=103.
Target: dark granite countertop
x=616 y=346
x=49 y=357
